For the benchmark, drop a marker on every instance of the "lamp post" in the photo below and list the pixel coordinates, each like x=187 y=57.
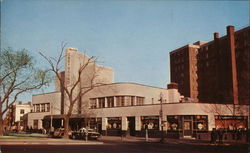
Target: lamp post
x=51 y=118
x=161 y=116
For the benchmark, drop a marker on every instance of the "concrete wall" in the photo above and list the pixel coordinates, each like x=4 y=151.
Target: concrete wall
x=36 y=116
x=54 y=99
x=74 y=60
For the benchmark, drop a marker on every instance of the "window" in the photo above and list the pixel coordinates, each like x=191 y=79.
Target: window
x=120 y=101
x=140 y=100
x=132 y=100
x=101 y=102
x=174 y=122
x=35 y=124
x=200 y=123
x=114 y=123
x=22 y=111
x=43 y=108
x=127 y=100
x=93 y=103
x=150 y=122
x=38 y=108
x=230 y=122
x=110 y=101
x=48 y=107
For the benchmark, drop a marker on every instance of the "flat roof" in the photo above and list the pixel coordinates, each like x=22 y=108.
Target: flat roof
x=133 y=84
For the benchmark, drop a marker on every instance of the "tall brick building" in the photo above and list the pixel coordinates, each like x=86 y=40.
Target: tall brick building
x=217 y=71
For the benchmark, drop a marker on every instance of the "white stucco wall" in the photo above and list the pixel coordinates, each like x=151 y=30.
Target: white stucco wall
x=151 y=94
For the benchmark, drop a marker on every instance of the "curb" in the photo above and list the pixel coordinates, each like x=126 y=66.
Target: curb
x=50 y=143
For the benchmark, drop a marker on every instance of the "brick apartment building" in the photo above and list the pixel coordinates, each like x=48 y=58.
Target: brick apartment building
x=217 y=71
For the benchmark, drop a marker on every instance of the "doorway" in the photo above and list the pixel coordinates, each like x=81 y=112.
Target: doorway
x=187 y=128
x=131 y=126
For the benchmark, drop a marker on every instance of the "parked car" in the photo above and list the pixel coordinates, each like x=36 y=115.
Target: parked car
x=83 y=132
x=58 y=133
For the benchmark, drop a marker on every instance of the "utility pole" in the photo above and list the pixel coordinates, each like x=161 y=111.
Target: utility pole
x=161 y=117
x=51 y=118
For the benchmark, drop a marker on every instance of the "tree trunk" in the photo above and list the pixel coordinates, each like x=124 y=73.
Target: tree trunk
x=1 y=126
x=1 y=120
x=66 y=127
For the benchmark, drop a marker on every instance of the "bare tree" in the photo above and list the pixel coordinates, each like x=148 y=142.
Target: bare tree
x=232 y=110
x=17 y=76
x=74 y=90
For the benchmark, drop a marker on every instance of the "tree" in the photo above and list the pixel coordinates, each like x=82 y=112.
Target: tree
x=74 y=89
x=17 y=76
x=232 y=110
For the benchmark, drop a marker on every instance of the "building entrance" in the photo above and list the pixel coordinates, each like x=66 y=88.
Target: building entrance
x=131 y=126
x=187 y=128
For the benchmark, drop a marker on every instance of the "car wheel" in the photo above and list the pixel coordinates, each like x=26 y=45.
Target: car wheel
x=73 y=137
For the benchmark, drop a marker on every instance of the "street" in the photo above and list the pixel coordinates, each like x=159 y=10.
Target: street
x=112 y=145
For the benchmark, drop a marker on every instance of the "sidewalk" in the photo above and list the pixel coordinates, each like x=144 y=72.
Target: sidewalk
x=109 y=140
x=47 y=141
x=131 y=139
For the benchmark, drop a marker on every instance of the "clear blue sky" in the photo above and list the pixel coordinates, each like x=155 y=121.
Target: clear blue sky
x=132 y=37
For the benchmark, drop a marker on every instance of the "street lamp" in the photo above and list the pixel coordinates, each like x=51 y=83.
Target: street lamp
x=161 y=116
x=51 y=118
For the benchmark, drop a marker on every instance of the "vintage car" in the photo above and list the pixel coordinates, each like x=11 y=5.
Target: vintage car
x=58 y=133
x=82 y=133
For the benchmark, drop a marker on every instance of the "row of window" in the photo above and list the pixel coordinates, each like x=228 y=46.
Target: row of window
x=41 y=107
x=174 y=122
x=116 y=101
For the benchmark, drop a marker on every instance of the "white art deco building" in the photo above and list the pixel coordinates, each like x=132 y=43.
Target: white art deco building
x=112 y=108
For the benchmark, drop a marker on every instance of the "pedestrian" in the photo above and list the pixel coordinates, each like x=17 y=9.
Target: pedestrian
x=213 y=136
x=121 y=134
x=220 y=134
x=238 y=134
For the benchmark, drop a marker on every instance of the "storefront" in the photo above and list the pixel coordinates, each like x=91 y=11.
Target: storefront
x=231 y=122
x=114 y=126
x=187 y=125
x=151 y=123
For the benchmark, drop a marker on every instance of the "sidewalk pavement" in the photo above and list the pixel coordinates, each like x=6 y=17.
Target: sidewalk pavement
x=47 y=141
x=131 y=139
x=107 y=140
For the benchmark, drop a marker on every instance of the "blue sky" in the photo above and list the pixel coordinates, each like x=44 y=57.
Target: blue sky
x=132 y=37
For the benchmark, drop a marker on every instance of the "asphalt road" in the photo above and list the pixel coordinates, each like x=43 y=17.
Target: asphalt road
x=135 y=147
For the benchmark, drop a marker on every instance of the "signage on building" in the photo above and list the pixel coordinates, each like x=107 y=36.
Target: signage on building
x=229 y=117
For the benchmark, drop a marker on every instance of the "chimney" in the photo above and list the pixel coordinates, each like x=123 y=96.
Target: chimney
x=231 y=44
x=216 y=35
x=20 y=102
x=172 y=85
x=230 y=30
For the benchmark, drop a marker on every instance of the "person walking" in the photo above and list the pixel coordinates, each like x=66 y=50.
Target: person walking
x=213 y=136
x=220 y=134
x=238 y=134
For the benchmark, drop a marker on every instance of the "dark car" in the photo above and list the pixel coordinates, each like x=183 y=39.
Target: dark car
x=83 y=133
